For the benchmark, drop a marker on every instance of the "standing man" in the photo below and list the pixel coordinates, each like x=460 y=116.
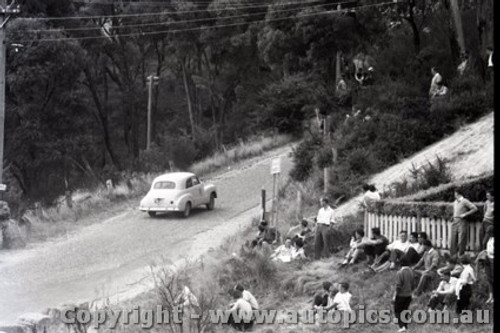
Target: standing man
x=461 y=209
x=487 y=230
x=402 y=295
x=324 y=221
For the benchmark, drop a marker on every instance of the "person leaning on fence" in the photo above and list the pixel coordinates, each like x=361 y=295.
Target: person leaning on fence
x=429 y=263
x=403 y=294
x=370 y=196
x=444 y=295
x=462 y=209
x=487 y=226
x=375 y=246
x=463 y=289
x=324 y=221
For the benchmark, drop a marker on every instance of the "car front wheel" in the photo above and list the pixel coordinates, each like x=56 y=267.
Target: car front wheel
x=211 y=203
x=187 y=210
x=152 y=214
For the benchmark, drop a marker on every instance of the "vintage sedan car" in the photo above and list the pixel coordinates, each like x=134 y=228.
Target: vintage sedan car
x=178 y=192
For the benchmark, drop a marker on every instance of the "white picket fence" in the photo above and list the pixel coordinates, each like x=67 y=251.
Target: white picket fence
x=438 y=230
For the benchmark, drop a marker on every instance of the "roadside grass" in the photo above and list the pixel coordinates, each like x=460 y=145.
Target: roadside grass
x=241 y=151
x=100 y=203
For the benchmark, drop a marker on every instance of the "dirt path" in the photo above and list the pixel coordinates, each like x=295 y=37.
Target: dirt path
x=112 y=258
x=469 y=150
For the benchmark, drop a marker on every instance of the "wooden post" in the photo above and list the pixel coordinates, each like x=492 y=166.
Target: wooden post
x=263 y=203
x=273 y=210
x=326 y=171
x=298 y=214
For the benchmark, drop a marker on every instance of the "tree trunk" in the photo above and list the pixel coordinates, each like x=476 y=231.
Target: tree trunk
x=188 y=97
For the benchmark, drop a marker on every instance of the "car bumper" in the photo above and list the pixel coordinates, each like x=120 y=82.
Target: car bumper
x=159 y=209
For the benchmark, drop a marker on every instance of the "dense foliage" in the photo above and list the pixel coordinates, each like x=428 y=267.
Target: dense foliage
x=77 y=89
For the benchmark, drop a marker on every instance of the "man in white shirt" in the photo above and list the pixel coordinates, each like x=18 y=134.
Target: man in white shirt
x=247 y=296
x=396 y=250
x=324 y=221
x=342 y=299
x=445 y=292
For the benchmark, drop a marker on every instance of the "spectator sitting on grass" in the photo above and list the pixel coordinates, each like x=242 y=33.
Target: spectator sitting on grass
x=355 y=253
x=416 y=249
x=283 y=252
x=463 y=289
x=452 y=265
x=375 y=246
x=299 y=231
x=429 y=263
x=266 y=234
x=241 y=317
x=394 y=251
x=247 y=296
x=342 y=299
x=445 y=292
x=298 y=250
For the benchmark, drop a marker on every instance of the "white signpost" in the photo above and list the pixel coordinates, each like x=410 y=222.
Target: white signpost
x=3 y=187
x=275 y=171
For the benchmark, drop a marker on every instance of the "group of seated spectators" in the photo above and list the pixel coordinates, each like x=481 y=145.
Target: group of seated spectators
x=418 y=253
x=293 y=246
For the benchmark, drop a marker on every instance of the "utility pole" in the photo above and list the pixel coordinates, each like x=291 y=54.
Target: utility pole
x=152 y=80
x=5 y=12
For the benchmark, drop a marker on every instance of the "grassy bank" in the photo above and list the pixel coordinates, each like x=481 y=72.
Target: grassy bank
x=283 y=287
x=100 y=203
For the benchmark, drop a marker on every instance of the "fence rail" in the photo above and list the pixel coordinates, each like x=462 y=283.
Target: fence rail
x=438 y=230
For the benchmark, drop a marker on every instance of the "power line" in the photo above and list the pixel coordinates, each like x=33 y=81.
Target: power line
x=201 y=28
x=173 y=22
x=175 y=13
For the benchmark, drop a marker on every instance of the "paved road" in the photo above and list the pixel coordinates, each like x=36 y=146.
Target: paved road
x=107 y=258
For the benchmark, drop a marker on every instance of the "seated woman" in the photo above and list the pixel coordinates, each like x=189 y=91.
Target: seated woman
x=451 y=266
x=283 y=252
x=299 y=231
x=355 y=252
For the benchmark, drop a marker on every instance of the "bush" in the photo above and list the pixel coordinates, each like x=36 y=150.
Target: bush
x=473 y=189
x=303 y=157
x=437 y=210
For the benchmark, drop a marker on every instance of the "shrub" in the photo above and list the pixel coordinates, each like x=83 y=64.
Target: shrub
x=473 y=189
x=437 y=210
x=303 y=157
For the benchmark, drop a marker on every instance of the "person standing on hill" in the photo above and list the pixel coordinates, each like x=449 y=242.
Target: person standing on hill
x=402 y=295
x=437 y=79
x=325 y=220
x=462 y=208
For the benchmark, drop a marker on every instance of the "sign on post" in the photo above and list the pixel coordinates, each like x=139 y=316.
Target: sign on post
x=3 y=187
x=276 y=165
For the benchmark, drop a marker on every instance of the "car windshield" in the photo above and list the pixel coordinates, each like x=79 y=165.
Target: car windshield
x=164 y=185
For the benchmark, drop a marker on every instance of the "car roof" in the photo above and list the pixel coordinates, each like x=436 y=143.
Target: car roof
x=174 y=176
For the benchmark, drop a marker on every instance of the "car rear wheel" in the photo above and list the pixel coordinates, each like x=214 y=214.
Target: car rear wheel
x=187 y=210
x=211 y=203
x=152 y=214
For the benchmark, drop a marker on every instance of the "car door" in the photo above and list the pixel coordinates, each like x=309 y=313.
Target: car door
x=197 y=190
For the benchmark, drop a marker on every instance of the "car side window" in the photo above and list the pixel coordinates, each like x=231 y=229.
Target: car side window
x=189 y=183
x=195 y=181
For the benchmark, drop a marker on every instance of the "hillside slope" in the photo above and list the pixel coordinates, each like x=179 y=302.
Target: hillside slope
x=469 y=152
